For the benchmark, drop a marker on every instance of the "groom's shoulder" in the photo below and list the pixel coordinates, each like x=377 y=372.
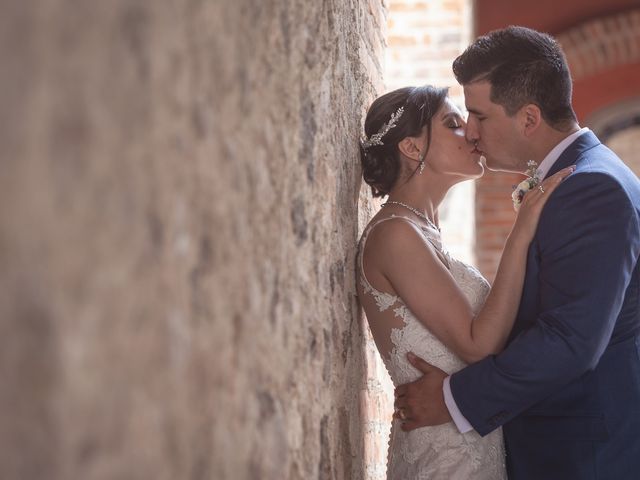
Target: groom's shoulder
x=603 y=167
x=594 y=187
x=586 y=200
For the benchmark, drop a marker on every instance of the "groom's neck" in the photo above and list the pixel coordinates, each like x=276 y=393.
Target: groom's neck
x=548 y=139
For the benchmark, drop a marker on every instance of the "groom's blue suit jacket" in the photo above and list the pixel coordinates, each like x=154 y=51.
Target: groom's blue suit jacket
x=567 y=387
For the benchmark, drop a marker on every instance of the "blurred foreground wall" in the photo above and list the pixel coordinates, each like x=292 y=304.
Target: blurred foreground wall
x=179 y=206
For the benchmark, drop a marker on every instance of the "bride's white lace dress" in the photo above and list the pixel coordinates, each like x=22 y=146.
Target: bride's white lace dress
x=442 y=452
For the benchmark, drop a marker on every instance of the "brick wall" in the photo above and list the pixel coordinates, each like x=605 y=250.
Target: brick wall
x=544 y=15
x=494 y=218
x=602 y=43
x=180 y=202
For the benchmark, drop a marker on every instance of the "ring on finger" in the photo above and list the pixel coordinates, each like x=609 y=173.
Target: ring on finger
x=402 y=414
x=540 y=188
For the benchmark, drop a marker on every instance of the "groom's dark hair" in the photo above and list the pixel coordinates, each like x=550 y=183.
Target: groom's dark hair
x=523 y=66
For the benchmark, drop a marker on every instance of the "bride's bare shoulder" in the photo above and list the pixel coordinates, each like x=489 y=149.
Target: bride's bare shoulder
x=393 y=238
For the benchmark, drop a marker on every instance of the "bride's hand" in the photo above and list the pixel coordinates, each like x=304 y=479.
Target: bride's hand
x=533 y=202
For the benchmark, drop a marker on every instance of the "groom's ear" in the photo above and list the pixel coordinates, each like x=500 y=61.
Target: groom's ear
x=531 y=118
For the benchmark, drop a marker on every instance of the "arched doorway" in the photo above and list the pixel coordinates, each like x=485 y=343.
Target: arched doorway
x=618 y=126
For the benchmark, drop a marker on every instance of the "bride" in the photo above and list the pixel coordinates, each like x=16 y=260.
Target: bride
x=418 y=298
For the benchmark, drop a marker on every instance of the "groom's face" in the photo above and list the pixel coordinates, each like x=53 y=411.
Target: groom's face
x=497 y=134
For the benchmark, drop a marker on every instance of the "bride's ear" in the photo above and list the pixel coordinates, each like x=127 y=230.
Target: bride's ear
x=409 y=147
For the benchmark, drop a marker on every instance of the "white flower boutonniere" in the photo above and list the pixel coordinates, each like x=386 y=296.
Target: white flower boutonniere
x=532 y=180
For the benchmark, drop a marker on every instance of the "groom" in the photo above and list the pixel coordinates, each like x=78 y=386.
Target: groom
x=566 y=389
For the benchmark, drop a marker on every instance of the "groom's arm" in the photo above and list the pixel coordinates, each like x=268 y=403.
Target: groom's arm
x=588 y=245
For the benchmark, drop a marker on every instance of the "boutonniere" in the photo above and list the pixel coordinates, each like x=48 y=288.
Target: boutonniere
x=532 y=180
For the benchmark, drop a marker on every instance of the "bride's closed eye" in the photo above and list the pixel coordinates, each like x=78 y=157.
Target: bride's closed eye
x=454 y=123
x=453 y=120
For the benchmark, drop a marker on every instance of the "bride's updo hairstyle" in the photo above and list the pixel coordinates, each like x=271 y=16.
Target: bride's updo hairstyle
x=381 y=160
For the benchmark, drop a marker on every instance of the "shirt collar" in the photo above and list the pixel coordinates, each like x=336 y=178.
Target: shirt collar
x=556 y=151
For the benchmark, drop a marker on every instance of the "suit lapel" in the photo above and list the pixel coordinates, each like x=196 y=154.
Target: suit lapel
x=581 y=144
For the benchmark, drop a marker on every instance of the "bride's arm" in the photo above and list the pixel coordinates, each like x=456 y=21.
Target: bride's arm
x=431 y=293
x=493 y=323
x=501 y=306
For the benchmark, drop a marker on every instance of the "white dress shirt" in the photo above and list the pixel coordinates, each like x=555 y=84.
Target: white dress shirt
x=461 y=422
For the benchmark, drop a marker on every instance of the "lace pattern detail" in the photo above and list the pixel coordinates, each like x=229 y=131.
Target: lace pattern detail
x=435 y=452
x=383 y=300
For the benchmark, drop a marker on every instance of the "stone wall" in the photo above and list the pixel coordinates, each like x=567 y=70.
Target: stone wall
x=180 y=201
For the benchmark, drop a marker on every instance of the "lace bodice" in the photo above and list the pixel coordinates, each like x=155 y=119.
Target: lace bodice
x=432 y=452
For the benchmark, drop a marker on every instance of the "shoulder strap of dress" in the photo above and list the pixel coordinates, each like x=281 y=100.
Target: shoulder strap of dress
x=436 y=249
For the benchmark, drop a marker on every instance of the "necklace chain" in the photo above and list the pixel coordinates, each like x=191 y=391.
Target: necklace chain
x=414 y=210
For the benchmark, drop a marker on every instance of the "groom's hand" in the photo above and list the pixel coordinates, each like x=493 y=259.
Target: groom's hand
x=421 y=403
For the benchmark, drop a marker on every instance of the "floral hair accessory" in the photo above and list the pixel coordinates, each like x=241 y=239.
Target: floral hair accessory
x=376 y=138
x=532 y=181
